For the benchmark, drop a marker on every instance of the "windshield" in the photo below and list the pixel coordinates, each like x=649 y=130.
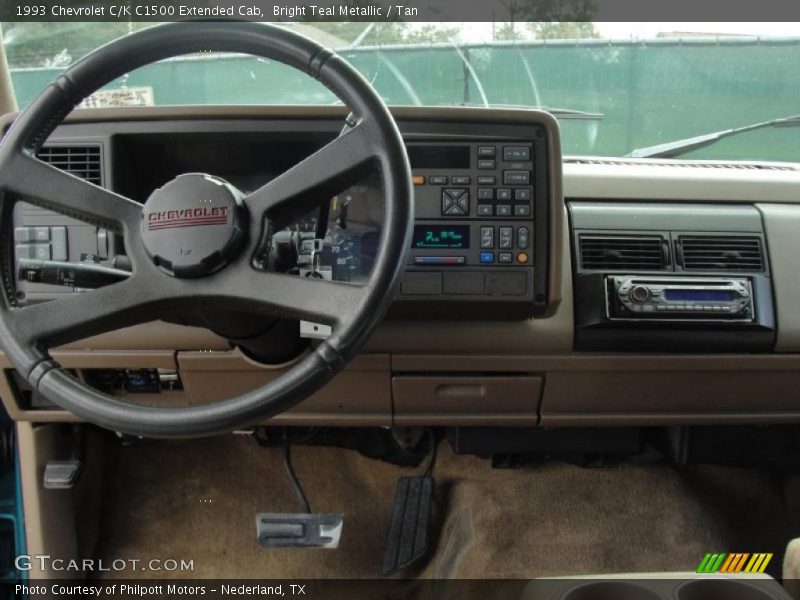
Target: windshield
x=616 y=87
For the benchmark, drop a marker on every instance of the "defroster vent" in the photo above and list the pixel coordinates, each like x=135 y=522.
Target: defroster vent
x=720 y=252
x=84 y=161
x=623 y=252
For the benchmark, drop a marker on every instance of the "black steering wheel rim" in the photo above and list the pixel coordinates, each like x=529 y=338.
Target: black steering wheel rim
x=26 y=333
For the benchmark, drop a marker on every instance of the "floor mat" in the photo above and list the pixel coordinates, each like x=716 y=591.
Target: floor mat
x=197 y=500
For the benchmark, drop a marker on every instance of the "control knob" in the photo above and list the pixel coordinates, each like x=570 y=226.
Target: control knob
x=640 y=293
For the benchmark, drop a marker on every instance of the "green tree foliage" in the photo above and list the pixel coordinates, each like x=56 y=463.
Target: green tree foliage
x=56 y=44
x=557 y=10
x=430 y=33
x=563 y=30
x=383 y=33
x=509 y=32
x=378 y=33
x=547 y=20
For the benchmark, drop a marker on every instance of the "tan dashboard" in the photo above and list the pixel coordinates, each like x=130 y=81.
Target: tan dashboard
x=496 y=372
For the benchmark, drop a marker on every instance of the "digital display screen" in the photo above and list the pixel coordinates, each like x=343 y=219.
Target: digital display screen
x=438 y=157
x=699 y=295
x=441 y=236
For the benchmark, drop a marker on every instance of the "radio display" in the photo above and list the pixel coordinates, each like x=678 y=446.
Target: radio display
x=448 y=237
x=438 y=157
x=700 y=295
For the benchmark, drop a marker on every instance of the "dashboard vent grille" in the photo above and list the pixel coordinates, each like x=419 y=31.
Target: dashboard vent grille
x=721 y=253
x=82 y=161
x=622 y=252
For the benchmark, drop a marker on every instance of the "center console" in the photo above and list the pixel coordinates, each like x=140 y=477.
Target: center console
x=671 y=277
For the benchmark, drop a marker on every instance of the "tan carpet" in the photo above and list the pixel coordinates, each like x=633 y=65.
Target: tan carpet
x=198 y=499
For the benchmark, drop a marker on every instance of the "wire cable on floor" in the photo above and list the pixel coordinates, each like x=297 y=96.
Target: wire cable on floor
x=298 y=489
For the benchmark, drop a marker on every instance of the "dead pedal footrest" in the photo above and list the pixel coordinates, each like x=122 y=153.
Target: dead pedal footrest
x=411 y=517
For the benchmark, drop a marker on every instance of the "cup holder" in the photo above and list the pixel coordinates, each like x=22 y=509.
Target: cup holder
x=611 y=590
x=722 y=589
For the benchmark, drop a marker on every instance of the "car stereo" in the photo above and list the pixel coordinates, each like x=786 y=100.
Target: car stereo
x=636 y=297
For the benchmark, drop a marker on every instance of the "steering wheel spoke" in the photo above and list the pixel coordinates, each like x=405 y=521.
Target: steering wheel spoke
x=293 y=296
x=326 y=172
x=35 y=181
x=80 y=315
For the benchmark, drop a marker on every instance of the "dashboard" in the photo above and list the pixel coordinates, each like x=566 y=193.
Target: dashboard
x=540 y=290
x=483 y=202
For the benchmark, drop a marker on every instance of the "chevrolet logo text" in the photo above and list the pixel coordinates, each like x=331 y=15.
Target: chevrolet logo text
x=188 y=217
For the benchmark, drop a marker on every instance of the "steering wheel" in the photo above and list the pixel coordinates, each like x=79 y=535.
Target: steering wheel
x=192 y=243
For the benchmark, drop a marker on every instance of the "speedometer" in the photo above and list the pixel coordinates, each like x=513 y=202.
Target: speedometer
x=353 y=227
x=342 y=253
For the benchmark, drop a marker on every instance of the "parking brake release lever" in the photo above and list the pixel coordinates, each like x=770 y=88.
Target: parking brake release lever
x=69 y=274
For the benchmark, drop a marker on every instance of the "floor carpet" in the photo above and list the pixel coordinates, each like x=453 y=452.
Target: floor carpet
x=197 y=500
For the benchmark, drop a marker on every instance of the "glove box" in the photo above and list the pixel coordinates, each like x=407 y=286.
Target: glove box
x=466 y=400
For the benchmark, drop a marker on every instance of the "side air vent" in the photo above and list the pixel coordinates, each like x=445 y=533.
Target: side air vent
x=720 y=253
x=82 y=161
x=623 y=252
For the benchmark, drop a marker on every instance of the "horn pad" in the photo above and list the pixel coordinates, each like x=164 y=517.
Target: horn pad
x=194 y=225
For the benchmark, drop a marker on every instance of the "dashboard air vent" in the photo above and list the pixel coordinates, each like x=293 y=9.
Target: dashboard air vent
x=720 y=253
x=82 y=161
x=622 y=252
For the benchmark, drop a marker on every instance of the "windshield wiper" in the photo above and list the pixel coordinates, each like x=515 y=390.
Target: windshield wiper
x=571 y=113
x=560 y=113
x=679 y=147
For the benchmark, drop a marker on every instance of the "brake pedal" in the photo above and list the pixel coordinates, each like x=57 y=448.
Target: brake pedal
x=409 y=533
x=61 y=474
x=64 y=474
x=301 y=530
x=298 y=530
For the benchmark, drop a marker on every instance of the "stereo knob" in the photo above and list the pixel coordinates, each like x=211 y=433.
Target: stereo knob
x=640 y=293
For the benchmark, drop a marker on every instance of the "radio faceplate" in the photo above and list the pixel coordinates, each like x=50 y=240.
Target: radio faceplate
x=674 y=298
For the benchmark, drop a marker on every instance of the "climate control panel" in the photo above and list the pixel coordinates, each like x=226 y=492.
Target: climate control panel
x=477 y=206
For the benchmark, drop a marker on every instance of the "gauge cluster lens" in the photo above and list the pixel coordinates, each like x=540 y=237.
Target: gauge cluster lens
x=352 y=234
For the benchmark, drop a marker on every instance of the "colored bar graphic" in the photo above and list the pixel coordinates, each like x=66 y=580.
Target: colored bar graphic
x=727 y=566
x=758 y=563
x=711 y=563
x=704 y=564
x=736 y=562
